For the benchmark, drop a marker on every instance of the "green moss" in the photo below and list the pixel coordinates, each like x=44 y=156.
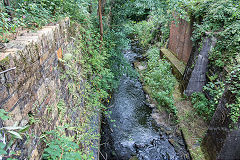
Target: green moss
x=5 y=61
x=9 y=85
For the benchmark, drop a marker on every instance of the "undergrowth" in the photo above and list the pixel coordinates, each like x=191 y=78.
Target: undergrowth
x=158 y=76
x=219 y=19
x=33 y=14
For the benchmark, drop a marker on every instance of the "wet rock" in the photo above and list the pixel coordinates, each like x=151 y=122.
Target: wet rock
x=141 y=68
x=152 y=105
x=157 y=146
x=181 y=142
x=178 y=132
x=171 y=141
x=168 y=132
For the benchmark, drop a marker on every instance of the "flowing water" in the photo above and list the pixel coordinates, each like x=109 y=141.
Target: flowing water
x=130 y=131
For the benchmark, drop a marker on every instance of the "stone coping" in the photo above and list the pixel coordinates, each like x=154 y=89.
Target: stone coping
x=177 y=64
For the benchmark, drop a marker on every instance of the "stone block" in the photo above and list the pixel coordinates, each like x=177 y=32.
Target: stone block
x=44 y=57
x=41 y=93
x=4 y=93
x=26 y=86
x=11 y=102
x=180 y=39
x=6 y=59
x=27 y=108
x=34 y=82
x=32 y=69
x=16 y=115
x=2 y=79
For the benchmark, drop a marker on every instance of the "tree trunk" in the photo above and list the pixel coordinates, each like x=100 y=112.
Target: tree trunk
x=100 y=18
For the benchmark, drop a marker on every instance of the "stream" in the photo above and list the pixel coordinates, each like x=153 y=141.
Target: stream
x=130 y=132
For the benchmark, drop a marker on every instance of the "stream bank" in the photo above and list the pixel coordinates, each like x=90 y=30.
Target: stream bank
x=190 y=125
x=132 y=131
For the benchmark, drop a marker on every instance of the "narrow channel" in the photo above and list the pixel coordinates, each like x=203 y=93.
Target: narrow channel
x=130 y=132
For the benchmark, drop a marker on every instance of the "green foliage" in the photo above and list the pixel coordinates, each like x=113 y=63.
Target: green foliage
x=233 y=83
x=136 y=10
x=202 y=106
x=87 y=71
x=154 y=25
x=117 y=42
x=3 y=114
x=143 y=30
x=205 y=107
x=33 y=14
x=94 y=62
x=7 y=25
x=152 y=29
x=160 y=79
x=62 y=147
x=217 y=18
x=179 y=8
x=215 y=90
x=221 y=20
x=8 y=136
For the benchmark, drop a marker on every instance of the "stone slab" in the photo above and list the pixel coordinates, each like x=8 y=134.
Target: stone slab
x=177 y=64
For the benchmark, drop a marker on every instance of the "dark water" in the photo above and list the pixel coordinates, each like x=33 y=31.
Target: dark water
x=131 y=131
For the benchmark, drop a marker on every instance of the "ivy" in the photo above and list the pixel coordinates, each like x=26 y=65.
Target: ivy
x=219 y=19
x=33 y=14
x=233 y=82
x=201 y=105
x=88 y=69
x=63 y=147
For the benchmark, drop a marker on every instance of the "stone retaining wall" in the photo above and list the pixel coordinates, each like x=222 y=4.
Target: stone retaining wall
x=31 y=91
x=180 y=39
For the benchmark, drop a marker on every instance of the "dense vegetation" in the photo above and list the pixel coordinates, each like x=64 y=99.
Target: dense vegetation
x=219 y=19
x=147 y=21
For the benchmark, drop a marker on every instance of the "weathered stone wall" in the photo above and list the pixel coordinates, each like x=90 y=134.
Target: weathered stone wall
x=198 y=79
x=220 y=141
x=30 y=92
x=180 y=39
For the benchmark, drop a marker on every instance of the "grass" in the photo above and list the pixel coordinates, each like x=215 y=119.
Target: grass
x=193 y=127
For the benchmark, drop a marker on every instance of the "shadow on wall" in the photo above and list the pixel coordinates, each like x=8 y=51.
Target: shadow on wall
x=220 y=141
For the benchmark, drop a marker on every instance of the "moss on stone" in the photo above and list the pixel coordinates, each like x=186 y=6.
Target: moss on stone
x=193 y=127
x=5 y=61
